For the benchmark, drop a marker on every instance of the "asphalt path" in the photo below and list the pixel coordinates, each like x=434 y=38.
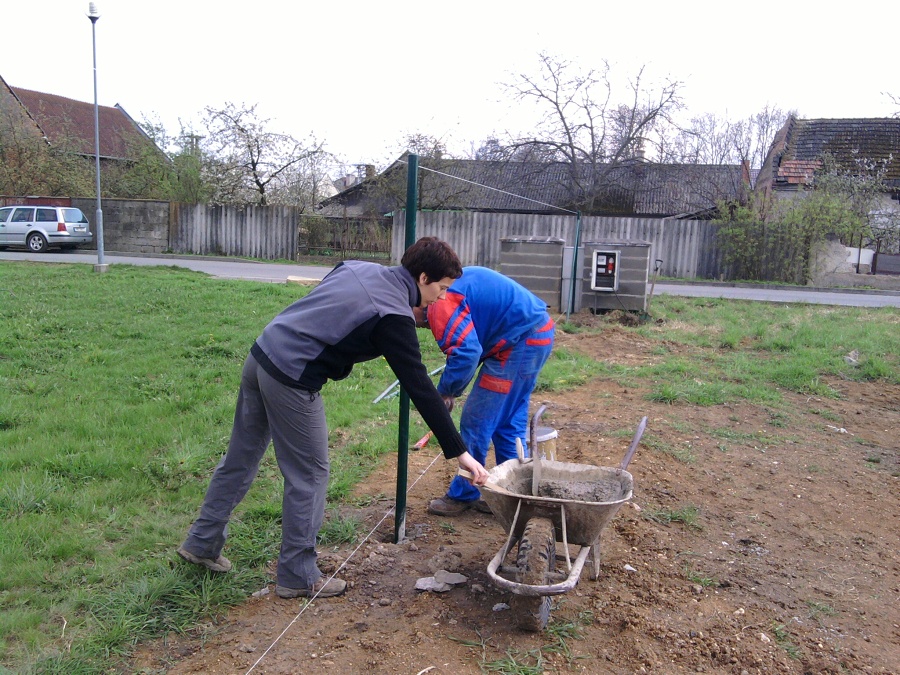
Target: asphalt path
x=231 y=268
x=222 y=268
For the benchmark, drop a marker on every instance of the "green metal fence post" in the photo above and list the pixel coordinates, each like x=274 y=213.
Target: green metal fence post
x=576 y=287
x=412 y=201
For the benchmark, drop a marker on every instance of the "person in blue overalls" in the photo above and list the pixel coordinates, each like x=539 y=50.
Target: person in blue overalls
x=493 y=326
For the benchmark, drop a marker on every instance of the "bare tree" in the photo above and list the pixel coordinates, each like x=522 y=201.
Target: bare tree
x=586 y=125
x=710 y=139
x=244 y=160
x=425 y=145
x=494 y=150
x=490 y=149
x=387 y=191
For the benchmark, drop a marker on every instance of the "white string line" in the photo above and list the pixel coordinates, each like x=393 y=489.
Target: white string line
x=342 y=565
x=488 y=187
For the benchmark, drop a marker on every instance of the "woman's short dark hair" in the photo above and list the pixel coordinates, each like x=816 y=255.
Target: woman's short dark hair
x=434 y=257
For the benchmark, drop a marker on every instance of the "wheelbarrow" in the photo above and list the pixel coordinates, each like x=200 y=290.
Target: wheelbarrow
x=541 y=502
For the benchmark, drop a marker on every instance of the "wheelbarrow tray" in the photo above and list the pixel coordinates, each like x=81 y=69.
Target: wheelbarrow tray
x=509 y=490
x=575 y=521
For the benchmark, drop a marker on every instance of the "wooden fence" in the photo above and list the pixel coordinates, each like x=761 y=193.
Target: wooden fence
x=267 y=232
x=687 y=247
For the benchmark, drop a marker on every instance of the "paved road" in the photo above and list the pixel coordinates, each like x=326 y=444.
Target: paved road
x=765 y=293
x=229 y=268
x=223 y=268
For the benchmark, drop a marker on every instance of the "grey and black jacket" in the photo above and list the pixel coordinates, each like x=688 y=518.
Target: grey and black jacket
x=358 y=312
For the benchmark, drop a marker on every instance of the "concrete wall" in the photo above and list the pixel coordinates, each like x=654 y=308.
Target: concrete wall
x=535 y=263
x=144 y=226
x=861 y=257
x=132 y=226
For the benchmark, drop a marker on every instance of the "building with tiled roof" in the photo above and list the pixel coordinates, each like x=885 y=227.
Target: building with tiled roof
x=857 y=146
x=800 y=146
x=68 y=124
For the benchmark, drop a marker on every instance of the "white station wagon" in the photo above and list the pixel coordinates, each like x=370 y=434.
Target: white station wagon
x=39 y=227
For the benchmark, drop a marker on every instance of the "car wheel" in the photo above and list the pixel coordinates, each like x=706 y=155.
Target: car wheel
x=36 y=243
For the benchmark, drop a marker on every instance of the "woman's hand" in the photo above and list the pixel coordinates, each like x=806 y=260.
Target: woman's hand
x=473 y=466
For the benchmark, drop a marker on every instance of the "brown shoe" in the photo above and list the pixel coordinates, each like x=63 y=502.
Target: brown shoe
x=220 y=564
x=482 y=506
x=447 y=506
x=323 y=588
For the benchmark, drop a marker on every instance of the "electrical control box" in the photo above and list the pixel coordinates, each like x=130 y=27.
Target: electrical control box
x=605 y=271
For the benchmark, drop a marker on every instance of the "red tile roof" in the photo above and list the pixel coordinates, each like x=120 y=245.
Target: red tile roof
x=69 y=123
x=797 y=171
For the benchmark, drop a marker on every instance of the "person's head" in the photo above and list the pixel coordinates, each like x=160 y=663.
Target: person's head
x=434 y=266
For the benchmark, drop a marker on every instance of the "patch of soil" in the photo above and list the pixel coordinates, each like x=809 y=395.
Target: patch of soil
x=790 y=567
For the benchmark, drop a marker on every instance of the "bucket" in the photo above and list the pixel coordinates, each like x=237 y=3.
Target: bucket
x=545 y=438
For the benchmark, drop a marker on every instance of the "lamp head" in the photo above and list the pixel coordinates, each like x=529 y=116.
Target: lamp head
x=93 y=14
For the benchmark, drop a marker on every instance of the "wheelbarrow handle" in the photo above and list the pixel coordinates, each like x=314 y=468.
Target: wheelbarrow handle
x=634 y=443
x=494 y=486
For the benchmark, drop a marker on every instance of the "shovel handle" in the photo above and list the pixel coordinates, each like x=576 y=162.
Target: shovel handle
x=494 y=486
x=634 y=443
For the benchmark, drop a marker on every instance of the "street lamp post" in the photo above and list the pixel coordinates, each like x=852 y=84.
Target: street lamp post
x=93 y=15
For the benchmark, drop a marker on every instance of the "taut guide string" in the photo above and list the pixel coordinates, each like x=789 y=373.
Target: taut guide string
x=343 y=564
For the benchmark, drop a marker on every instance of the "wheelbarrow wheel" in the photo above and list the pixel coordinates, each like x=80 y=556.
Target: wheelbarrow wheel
x=535 y=561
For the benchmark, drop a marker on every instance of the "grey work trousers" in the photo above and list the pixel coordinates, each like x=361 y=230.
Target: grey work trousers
x=294 y=420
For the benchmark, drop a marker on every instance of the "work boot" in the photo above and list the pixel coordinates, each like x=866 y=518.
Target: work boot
x=323 y=588
x=220 y=564
x=482 y=506
x=447 y=506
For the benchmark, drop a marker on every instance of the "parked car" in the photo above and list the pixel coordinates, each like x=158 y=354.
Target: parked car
x=39 y=227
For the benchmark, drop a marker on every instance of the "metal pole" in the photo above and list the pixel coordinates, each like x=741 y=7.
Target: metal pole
x=653 y=285
x=412 y=198
x=93 y=15
x=412 y=201
x=859 y=253
x=576 y=285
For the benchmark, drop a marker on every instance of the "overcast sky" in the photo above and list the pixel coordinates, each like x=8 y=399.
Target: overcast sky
x=362 y=75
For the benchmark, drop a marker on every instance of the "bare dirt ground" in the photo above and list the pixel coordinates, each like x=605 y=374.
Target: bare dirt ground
x=792 y=566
